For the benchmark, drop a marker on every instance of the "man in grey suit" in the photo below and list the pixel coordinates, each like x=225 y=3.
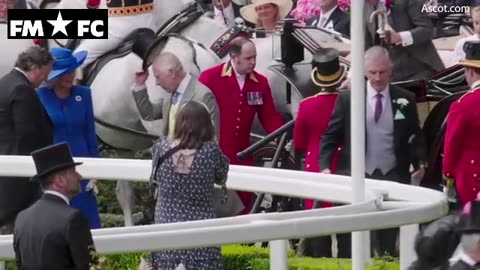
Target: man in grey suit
x=24 y=127
x=181 y=88
x=393 y=138
x=412 y=51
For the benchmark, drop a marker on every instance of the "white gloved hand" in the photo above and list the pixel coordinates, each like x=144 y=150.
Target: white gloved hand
x=92 y=185
x=289 y=146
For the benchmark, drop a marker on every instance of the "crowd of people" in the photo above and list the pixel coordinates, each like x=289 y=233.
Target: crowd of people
x=208 y=119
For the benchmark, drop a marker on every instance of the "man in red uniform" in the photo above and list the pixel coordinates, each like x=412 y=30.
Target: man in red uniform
x=312 y=120
x=241 y=93
x=461 y=162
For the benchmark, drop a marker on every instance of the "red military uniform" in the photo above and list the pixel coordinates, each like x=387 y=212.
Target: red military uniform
x=237 y=111
x=311 y=121
x=462 y=145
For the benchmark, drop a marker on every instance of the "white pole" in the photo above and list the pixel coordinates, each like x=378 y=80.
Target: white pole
x=357 y=101
x=279 y=254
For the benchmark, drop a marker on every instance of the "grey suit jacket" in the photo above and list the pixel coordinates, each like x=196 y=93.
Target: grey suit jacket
x=420 y=59
x=195 y=91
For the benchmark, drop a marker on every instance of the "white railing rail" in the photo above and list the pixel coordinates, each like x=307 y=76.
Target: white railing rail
x=407 y=205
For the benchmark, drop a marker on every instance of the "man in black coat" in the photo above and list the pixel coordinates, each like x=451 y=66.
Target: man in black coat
x=50 y=234
x=24 y=127
x=393 y=136
x=332 y=18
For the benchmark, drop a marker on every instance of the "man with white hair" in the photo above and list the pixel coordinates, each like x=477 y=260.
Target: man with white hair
x=470 y=240
x=181 y=88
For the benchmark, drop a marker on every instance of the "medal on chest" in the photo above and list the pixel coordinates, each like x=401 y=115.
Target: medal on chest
x=254 y=98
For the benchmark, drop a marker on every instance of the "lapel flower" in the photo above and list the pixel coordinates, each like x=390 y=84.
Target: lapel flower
x=402 y=102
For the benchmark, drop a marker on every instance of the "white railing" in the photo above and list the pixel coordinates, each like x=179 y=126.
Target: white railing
x=406 y=205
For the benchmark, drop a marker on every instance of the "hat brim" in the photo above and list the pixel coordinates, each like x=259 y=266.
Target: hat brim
x=330 y=80
x=154 y=50
x=80 y=58
x=59 y=167
x=469 y=63
x=249 y=14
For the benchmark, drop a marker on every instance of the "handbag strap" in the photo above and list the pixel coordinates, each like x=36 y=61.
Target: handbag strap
x=160 y=160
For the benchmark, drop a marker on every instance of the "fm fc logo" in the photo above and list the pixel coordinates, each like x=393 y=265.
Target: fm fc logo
x=56 y=23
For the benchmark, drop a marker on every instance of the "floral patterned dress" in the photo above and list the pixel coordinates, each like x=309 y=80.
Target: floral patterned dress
x=185 y=193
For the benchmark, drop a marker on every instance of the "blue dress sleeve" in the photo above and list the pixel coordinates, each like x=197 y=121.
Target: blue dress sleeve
x=90 y=133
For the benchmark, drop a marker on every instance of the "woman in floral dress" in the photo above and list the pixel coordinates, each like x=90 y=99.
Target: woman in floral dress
x=186 y=184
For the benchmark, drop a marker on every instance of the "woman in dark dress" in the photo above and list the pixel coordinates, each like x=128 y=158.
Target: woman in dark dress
x=186 y=181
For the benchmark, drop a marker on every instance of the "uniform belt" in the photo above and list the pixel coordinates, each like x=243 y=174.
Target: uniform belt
x=130 y=10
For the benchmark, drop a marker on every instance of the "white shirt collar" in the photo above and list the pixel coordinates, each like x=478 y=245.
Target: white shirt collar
x=238 y=74
x=476 y=84
x=328 y=13
x=466 y=259
x=371 y=93
x=58 y=194
x=183 y=85
x=23 y=72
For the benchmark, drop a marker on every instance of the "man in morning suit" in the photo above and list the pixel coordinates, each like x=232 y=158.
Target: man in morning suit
x=180 y=87
x=411 y=31
x=461 y=161
x=24 y=127
x=470 y=239
x=393 y=135
x=241 y=94
x=50 y=234
x=331 y=18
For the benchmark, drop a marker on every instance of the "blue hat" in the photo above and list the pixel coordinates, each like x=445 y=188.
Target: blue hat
x=65 y=61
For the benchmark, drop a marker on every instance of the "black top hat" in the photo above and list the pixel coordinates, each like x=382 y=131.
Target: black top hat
x=327 y=70
x=472 y=54
x=471 y=222
x=155 y=48
x=52 y=159
x=142 y=41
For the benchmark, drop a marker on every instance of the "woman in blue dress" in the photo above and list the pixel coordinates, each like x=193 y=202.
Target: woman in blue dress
x=71 y=111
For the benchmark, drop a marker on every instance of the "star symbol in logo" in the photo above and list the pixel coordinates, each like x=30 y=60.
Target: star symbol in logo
x=59 y=25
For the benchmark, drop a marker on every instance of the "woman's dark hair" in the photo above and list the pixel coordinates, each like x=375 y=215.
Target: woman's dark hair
x=193 y=125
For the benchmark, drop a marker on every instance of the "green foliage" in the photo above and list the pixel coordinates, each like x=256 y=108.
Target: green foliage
x=239 y=257
x=323 y=264
x=112 y=220
x=110 y=212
